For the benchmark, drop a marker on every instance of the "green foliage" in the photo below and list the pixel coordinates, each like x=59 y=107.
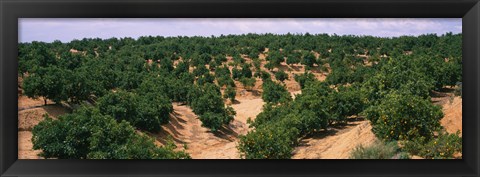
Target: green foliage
x=413 y=66
x=294 y=58
x=275 y=58
x=230 y=93
x=223 y=76
x=200 y=70
x=267 y=143
x=281 y=75
x=238 y=60
x=264 y=75
x=88 y=134
x=166 y=64
x=210 y=100
x=236 y=73
x=146 y=112
x=302 y=79
x=215 y=121
x=205 y=78
x=246 y=72
x=248 y=83
x=404 y=117
x=458 y=89
x=347 y=101
x=269 y=65
x=257 y=63
x=47 y=82
x=208 y=104
x=397 y=75
x=444 y=146
x=309 y=59
x=275 y=93
x=378 y=150
x=182 y=67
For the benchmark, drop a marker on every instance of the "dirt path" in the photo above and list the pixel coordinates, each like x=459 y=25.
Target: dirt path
x=336 y=143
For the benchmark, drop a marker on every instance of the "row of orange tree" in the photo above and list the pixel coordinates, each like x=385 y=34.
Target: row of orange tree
x=135 y=80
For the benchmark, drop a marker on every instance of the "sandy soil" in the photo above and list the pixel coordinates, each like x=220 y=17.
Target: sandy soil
x=452 y=120
x=28 y=118
x=336 y=143
x=185 y=128
x=25 y=146
x=25 y=102
x=30 y=113
x=452 y=109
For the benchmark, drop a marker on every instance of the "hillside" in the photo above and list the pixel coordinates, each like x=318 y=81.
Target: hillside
x=240 y=96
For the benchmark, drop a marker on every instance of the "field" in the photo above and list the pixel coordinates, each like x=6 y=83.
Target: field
x=197 y=98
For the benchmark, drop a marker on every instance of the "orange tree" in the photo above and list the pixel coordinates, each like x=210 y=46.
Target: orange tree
x=88 y=134
x=404 y=116
x=274 y=92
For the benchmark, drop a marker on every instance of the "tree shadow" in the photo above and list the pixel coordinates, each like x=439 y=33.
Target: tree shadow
x=164 y=136
x=436 y=94
x=332 y=130
x=296 y=68
x=317 y=135
x=176 y=121
x=175 y=115
x=256 y=93
x=56 y=110
x=226 y=133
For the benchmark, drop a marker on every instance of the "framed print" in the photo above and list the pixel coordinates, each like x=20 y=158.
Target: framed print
x=239 y=88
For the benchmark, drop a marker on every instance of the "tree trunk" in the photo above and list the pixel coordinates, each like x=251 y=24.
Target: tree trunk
x=45 y=101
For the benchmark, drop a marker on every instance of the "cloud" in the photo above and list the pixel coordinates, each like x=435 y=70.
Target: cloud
x=67 y=29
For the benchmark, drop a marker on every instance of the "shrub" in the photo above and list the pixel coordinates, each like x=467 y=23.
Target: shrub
x=236 y=73
x=225 y=81
x=275 y=93
x=246 y=72
x=302 y=79
x=267 y=143
x=88 y=134
x=200 y=70
x=215 y=121
x=48 y=82
x=347 y=101
x=269 y=65
x=442 y=147
x=264 y=75
x=230 y=93
x=378 y=150
x=294 y=58
x=309 y=59
x=281 y=75
x=275 y=58
x=397 y=75
x=257 y=63
x=404 y=116
x=145 y=112
x=208 y=104
x=208 y=100
x=248 y=83
x=206 y=78
x=458 y=89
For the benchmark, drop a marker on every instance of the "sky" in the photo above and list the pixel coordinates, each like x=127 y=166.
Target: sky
x=68 y=29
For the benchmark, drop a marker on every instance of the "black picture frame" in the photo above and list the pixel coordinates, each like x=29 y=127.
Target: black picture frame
x=11 y=10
